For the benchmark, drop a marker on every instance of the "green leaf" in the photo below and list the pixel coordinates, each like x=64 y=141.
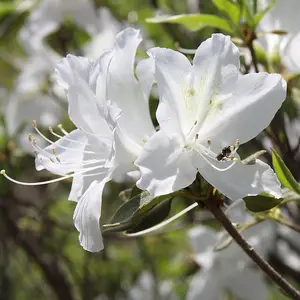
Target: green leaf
x=127 y=210
x=7 y=7
x=257 y=18
x=155 y=216
x=130 y=214
x=248 y=11
x=284 y=174
x=194 y=21
x=230 y=9
x=250 y=160
x=261 y=202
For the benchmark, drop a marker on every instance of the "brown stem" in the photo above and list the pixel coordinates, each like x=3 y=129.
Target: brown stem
x=288 y=224
x=253 y=55
x=289 y=290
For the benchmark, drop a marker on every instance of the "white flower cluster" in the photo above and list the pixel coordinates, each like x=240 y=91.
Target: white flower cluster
x=35 y=94
x=230 y=269
x=206 y=111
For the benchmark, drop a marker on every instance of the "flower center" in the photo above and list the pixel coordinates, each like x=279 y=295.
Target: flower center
x=226 y=154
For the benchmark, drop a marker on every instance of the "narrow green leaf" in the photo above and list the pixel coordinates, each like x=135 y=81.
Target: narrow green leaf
x=261 y=202
x=130 y=214
x=284 y=174
x=248 y=11
x=7 y=7
x=153 y=217
x=127 y=210
x=257 y=18
x=194 y=21
x=230 y=9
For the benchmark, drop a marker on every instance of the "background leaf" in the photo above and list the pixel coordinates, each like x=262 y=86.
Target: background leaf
x=283 y=173
x=195 y=21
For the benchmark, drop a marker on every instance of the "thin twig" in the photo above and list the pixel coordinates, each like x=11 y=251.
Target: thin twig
x=253 y=55
x=288 y=223
x=249 y=250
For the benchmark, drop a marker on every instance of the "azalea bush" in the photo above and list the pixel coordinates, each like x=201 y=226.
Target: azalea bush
x=172 y=128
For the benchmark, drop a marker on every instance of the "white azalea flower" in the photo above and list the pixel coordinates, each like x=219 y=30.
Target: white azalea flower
x=105 y=37
x=28 y=100
x=204 y=108
x=48 y=15
x=109 y=107
x=145 y=289
x=283 y=16
x=229 y=269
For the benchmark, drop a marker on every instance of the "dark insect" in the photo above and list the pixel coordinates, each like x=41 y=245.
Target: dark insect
x=226 y=151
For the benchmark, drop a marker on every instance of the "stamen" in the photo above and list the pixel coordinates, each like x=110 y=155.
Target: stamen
x=65 y=132
x=40 y=133
x=236 y=147
x=67 y=139
x=59 y=136
x=2 y=172
x=55 y=134
x=207 y=151
x=234 y=161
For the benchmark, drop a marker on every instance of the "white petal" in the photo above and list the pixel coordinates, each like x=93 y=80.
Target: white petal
x=165 y=167
x=80 y=77
x=204 y=285
x=125 y=154
x=68 y=154
x=23 y=108
x=81 y=183
x=203 y=240
x=243 y=110
x=186 y=92
x=86 y=217
x=215 y=65
x=237 y=213
x=171 y=70
x=49 y=14
x=290 y=54
x=242 y=180
x=76 y=189
x=105 y=38
x=44 y=19
x=145 y=75
x=248 y=285
x=125 y=91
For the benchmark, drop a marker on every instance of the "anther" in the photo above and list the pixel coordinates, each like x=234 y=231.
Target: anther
x=237 y=142
x=34 y=123
x=208 y=142
x=62 y=129
x=2 y=172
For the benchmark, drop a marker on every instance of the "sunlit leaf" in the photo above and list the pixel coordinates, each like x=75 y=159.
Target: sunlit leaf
x=283 y=173
x=230 y=9
x=194 y=21
x=261 y=202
